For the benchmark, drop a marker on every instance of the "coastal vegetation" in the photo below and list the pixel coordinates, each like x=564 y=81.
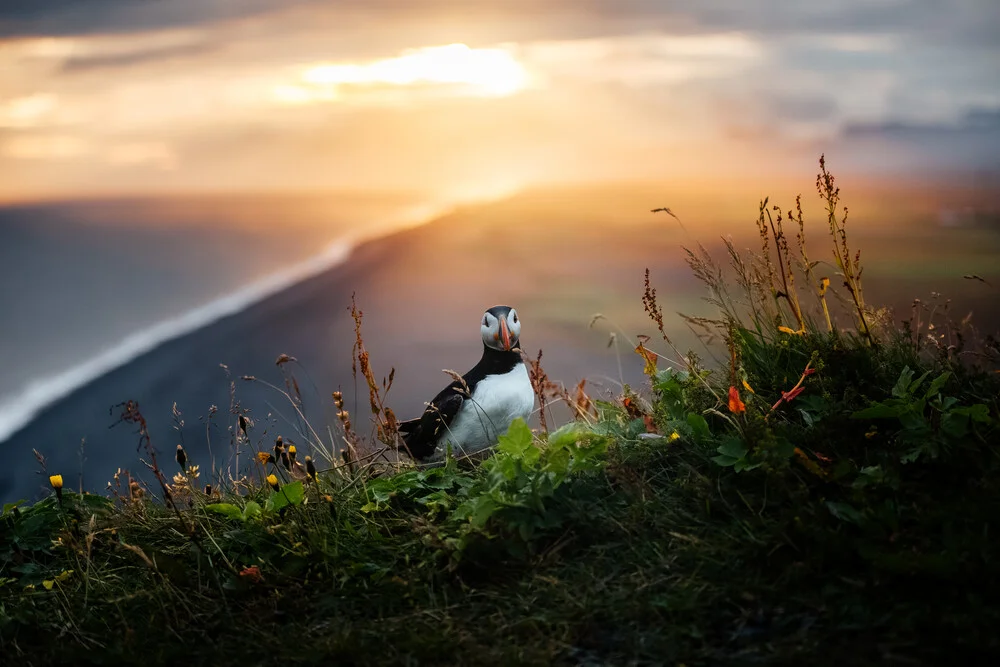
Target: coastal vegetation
x=827 y=491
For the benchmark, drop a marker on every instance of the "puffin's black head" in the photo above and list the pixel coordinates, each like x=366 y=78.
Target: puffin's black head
x=501 y=328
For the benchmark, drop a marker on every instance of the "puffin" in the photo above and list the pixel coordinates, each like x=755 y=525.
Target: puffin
x=472 y=413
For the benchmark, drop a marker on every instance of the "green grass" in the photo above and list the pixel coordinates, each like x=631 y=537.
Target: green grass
x=596 y=546
x=692 y=522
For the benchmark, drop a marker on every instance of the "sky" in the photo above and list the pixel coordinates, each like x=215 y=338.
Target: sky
x=467 y=99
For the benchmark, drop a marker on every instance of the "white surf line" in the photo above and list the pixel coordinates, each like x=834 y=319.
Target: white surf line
x=18 y=411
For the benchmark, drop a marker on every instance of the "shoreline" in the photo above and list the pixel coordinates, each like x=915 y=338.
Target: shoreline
x=32 y=399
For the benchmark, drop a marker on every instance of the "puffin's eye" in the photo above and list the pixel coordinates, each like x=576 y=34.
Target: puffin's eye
x=515 y=318
x=486 y=321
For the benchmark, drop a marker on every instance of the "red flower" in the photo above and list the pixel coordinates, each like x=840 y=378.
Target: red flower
x=252 y=574
x=735 y=404
x=787 y=396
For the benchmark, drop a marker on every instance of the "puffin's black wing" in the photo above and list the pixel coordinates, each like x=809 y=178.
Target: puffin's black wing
x=421 y=435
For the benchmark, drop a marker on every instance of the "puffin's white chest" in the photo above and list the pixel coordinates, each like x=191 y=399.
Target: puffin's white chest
x=496 y=401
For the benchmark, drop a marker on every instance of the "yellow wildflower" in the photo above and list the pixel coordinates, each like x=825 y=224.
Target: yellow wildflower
x=273 y=481
x=56 y=482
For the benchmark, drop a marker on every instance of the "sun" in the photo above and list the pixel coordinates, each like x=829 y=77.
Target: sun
x=465 y=71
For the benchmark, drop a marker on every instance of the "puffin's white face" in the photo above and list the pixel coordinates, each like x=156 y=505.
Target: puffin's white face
x=501 y=328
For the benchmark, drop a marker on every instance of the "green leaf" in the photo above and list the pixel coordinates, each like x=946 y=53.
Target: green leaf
x=955 y=424
x=937 y=384
x=699 y=427
x=913 y=419
x=978 y=413
x=732 y=446
x=817 y=406
x=912 y=389
x=880 y=411
x=294 y=492
x=669 y=388
x=869 y=475
x=742 y=465
x=516 y=440
x=251 y=510
x=899 y=390
x=567 y=435
x=480 y=510
x=226 y=509
x=276 y=501
x=382 y=489
x=845 y=512
x=9 y=507
x=725 y=461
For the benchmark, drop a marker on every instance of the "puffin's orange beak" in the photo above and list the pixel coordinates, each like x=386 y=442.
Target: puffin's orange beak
x=504 y=334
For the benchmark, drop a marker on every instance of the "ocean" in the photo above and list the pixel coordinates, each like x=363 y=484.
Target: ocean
x=87 y=286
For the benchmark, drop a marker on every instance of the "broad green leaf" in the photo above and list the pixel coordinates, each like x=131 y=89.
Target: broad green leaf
x=725 y=461
x=530 y=455
x=276 y=501
x=294 y=492
x=912 y=389
x=567 y=435
x=903 y=383
x=732 y=446
x=978 y=413
x=517 y=438
x=913 y=419
x=816 y=405
x=699 y=427
x=845 y=512
x=481 y=510
x=742 y=465
x=383 y=489
x=9 y=507
x=955 y=424
x=251 y=510
x=669 y=388
x=937 y=384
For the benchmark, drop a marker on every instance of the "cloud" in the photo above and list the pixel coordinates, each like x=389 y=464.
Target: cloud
x=27 y=111
x=967 y=21
x=218 y=93
x=76 y=17
x=970 y=144
x=44 y=147
x=138 y=56
x=153 y=153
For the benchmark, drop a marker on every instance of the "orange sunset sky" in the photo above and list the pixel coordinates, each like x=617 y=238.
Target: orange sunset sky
x=473 y=98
